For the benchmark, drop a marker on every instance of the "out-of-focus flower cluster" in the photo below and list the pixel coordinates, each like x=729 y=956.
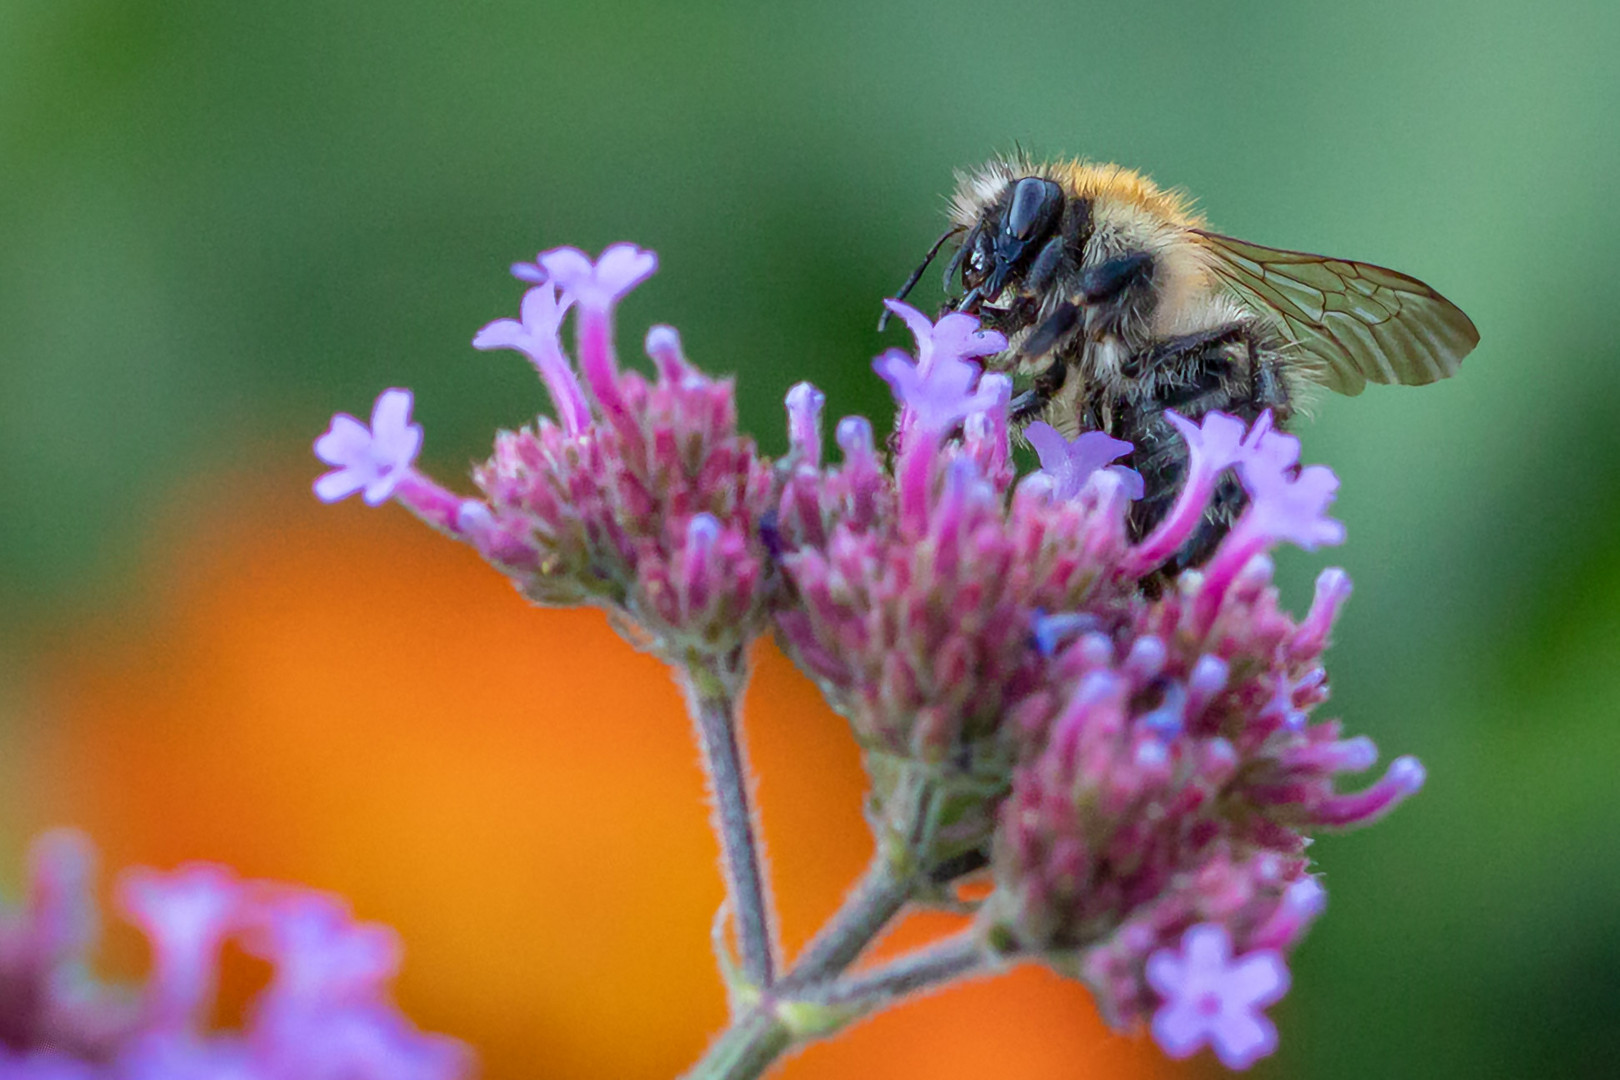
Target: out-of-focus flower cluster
x=325 y=1014
x=1137 y=766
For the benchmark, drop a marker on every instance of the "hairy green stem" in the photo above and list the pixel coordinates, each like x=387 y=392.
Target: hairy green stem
x=962 y=954
x=866 y=913
x=796 y=1012
x=745 y=1050
x=713 y=692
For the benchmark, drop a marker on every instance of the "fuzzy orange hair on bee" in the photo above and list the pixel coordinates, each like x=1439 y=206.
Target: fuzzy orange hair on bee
x=1119 y=304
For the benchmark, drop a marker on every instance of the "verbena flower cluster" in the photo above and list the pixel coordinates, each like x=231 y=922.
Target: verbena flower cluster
x=325 y=1015
x=1136 y=769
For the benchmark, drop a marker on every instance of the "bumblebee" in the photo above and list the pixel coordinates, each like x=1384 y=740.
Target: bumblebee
x=1119 y=304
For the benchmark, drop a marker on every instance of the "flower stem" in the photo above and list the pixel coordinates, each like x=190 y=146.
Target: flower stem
x=789 y=1016
x=874 y=902
x=956 y=956
x=745 y=1050
x=713 y=689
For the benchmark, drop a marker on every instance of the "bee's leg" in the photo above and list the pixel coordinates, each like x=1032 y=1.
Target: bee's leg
x=1194 y=350
x=1108 y=279
x=1032 y=402
x=1045 y=266
x=1026 y=407
x=1268 y=390
x=1046 y=337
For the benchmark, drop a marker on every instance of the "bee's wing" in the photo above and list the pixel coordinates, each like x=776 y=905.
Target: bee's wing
x=1363 y=321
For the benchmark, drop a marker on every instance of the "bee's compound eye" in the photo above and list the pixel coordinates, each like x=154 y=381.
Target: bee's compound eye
x=1035 y=203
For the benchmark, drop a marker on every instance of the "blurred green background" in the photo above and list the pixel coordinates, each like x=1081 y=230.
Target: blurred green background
x=221 y=221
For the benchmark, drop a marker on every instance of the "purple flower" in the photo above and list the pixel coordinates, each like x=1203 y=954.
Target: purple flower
x=940 y=397
x=1301 y=904
x=596 y=288
x=1211 y=998
x=804 y=404
x=957 y=334
x=1293 y=508
x=374 y=459
x=1070 y=462
x=321 y=955
x=663 y=346
x=325 y=1015
x=1404 y=778
x=599 y=285
x=535 y=335
x=186 y=916
x=1214 y=445
x=1051 y=631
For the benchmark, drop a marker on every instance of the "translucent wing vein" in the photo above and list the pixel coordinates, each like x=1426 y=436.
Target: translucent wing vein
x=1364 y=322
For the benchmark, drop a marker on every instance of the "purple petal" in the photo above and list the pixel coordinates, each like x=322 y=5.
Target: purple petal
x=624 y=266
x=898 y=370
x=1207 y=948
x=390 y=421
x=530 y=272
x=959 y=334
x=566 y=267
x=1256 y=979
x=921 y=327
x=1269 y=449
x=598 y=286
x=1217 y=439
x=542 y=310
x=804 y=403
x=380 y=489
x=321 y=954
x=502 y=334
x=1166 y=973
x=956 y=336
x=1241 y=1038
x=1295 y=509
x=1050 y=446
x=185 y=916
x=338 y=484
x=346 y=439
x=1071 y=462
x=1130 y=480
x=1180 y=1028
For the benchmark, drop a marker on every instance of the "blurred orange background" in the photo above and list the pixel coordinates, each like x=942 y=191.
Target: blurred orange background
x=341 y=698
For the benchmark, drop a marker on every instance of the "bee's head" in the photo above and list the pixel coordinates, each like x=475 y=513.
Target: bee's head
x=1007 y=225
x=1000 y=247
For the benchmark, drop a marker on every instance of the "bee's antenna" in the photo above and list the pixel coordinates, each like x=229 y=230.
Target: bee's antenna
x=916 y=275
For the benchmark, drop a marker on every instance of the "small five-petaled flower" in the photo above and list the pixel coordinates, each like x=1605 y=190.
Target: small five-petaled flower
x=1209 y=997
